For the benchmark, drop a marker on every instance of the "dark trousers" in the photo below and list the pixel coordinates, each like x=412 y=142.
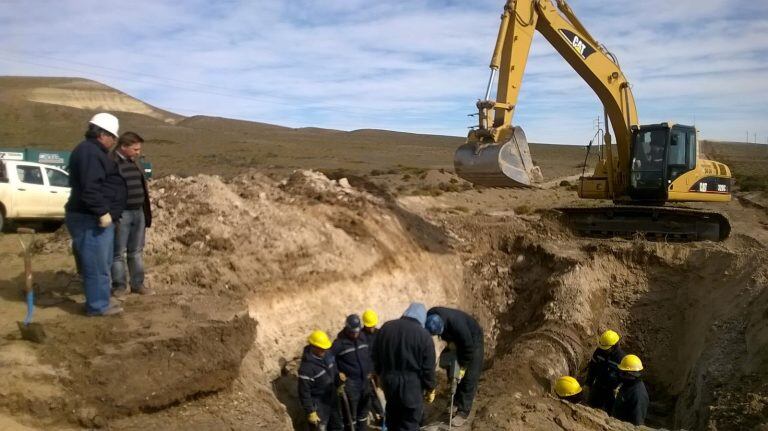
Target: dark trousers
x=359 y=396
x=601 y=397
x=465 y=392
x=402 y=418
x=330 y=415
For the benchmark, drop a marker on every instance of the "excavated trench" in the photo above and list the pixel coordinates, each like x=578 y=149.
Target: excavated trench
x=695 y=314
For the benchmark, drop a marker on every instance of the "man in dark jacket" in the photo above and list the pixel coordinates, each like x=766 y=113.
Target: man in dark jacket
x=603 y=372
x=353 y=359
x=137 y=216
x=632 y=400
x=462 y=332
x=370 y=320
x=319 y=384
x=404 y=360
x=96 y=201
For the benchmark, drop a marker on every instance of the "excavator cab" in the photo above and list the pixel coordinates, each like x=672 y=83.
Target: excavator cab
x=660 y=154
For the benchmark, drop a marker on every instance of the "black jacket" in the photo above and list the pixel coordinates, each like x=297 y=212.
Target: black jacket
x=147 y=208
x=404 y=358
x=603 y=370
x=97 y=186
x=462 y=330
x=353 y=357
x=631 y=403
x=318 y=380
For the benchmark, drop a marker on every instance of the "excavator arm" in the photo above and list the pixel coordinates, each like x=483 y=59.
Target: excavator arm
x=596 y=66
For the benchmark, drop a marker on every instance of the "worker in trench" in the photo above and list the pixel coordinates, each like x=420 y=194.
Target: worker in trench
x=603 y=371
x=353 y=359
x=404 y=360
x=465 y=340
x=632 y=400
x=319 y=384
x=370 y=329
x=568 y=389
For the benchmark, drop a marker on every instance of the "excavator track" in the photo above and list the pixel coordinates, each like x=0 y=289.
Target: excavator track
x=653 y=222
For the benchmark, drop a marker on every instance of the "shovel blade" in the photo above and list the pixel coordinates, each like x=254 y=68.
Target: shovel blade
x=32 y=331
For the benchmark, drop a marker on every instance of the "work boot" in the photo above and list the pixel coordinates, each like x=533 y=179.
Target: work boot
x=119 y=293
x=144 y=290
x=111 y=311
x=460 y=419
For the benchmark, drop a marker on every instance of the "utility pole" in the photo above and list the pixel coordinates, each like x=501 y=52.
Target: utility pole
x=755 y=137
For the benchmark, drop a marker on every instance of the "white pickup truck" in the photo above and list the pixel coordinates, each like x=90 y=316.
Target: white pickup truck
x=32 y=192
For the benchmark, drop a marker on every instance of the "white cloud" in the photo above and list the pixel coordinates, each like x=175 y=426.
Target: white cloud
x=415 y=65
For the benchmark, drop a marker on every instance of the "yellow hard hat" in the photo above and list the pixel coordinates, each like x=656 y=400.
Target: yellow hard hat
x=608 y=339
x=567 y=386
x=631 y=363
x=370 y=318
x=319 y=339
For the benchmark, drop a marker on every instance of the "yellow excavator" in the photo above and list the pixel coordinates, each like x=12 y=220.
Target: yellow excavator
x=649 y=165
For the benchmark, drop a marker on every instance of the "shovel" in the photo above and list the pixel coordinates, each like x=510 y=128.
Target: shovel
x=455 y=373
x=346 y=410
x=30 y=331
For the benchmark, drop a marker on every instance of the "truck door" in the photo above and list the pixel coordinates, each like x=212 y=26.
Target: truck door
x=31 y=194
x=58 y=189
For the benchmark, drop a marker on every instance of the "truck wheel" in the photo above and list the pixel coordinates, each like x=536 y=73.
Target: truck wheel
x=52 y=226
x=2 y=221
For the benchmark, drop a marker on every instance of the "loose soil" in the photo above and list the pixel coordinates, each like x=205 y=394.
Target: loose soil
x=244 y=268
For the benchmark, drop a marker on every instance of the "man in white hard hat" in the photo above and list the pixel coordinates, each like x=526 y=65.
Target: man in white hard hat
x=96 y=201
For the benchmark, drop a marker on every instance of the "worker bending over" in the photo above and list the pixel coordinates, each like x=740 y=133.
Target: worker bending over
x=632 y=401
x=461 y=330
x=353 y=358
x=603 y=371
x=404 y=360
x=568 y=389
x=318 y=384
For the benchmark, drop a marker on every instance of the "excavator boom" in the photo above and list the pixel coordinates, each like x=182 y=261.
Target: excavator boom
x=645 y=166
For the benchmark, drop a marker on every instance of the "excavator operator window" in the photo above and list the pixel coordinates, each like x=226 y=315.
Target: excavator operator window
x=681 y=156
x=648 y=160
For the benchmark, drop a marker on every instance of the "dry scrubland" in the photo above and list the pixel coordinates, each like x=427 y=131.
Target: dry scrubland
x=246 y=263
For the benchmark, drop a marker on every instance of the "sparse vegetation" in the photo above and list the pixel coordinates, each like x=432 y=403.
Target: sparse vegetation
x=749 y=183
x=523 y=209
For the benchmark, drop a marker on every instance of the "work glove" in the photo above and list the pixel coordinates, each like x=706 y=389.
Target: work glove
x=462 y=371
x=313 y=418
x=342 y=377
x=429 y=397
x=340 y=389
x=105 y=220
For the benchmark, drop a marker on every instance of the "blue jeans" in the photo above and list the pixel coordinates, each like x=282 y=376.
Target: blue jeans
x=129 y=247
x=93 y=247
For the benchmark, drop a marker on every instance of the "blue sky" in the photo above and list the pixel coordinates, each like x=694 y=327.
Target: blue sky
x=408 y=65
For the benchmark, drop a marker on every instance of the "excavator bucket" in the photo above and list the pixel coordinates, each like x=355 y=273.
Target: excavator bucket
x=507 y=164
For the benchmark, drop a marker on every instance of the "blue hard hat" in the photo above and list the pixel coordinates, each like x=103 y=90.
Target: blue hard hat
x=353 y=323
x=434 y=324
